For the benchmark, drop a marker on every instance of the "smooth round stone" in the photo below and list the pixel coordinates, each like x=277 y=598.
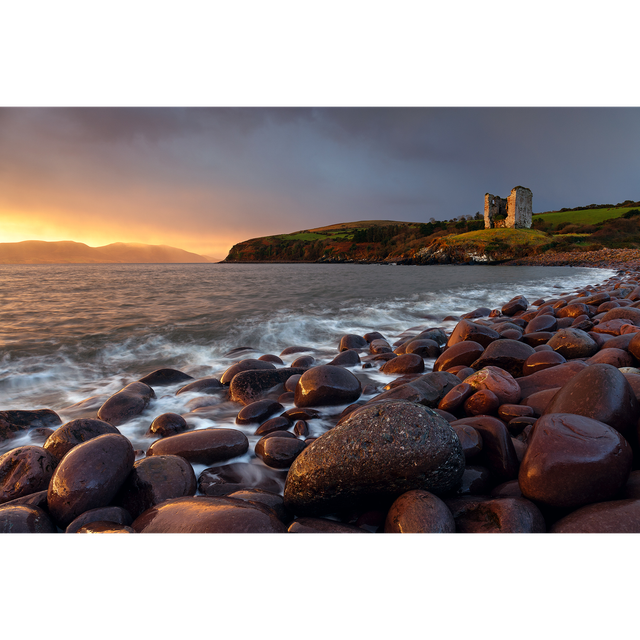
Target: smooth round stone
x=204 y=446
x=25 y=470
x=497 y=380
x=537 y=338
x=113 y=515
x=460 y=354
x=616 y=516
x=205 y=514
x=477 y=313
x=541 y=323
x=498 y=453
x=75 y=432
x=573 y=310
x=564 y=323
x=292 y=382
x=269 y=357
x=24 y=518
x=572 y=461
x=573 y=343
x=167 y=424
x=419 y=511
x=463 y=372
x=376 y=454
x=327 y=385
x=516 y=426
x=303 y=362
x=295 y=413
x=551 y=378
x=37 y=499
x=519 y=303
x=456 y=398
x=602 y=393
x=634 y=345
x=322 y=525
x=126 y=403
x=280 y=423
x=267 y=499
x=423 y=348
x=164 y=377
x=449 y=417
x=539 y=401
x=470 y=440
x=373 y=335
x=511 y=334
x=258 y=412
x=295 y=349
x=287 y=397
x=249 y=364
x=496 y=515
x=615 y=357
x=16 y=420
x=89 y=476
x=105 y=527
x=379 y=346
x=346 y=359
x=225 y=479
x=204 y=385
x=541 y=360
x=467 y=330
x=509 y=489
x=627 y=313
x=483 y=402
x=508 y=412
x=351 y=341
x=280 y=453
x=406 y=363
x=300 y=428
x=154 y=480
x=509 y=355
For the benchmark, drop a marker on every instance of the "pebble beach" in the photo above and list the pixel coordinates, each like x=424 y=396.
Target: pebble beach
x=517 y=419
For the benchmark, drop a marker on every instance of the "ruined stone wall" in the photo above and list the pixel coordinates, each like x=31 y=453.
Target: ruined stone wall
x=519 y=208
x=494 y=206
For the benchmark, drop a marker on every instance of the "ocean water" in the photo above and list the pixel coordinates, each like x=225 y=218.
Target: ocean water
x=74 y=334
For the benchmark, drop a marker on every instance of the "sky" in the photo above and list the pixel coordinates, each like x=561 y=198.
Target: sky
x=203 y=179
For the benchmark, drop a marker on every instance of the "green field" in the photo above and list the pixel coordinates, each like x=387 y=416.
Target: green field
x=309 y=236
x=583 y=216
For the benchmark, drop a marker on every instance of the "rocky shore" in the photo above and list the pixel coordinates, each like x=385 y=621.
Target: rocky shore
x=522 y=419
x=601 y=259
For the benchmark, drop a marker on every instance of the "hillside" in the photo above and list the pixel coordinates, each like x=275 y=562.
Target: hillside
x=462 y=239
x=67 y=252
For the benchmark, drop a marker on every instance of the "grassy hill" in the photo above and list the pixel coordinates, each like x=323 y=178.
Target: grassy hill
x=461 y=239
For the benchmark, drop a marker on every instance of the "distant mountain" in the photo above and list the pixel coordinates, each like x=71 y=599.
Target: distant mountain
x=67 y=252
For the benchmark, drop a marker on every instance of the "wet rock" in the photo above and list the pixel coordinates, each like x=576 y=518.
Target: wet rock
x=476 y=481
x=460 y=354
x=292 y=382
x=519 y=303
x=419 y=511
x=551 y=378
x=477 y=313
x=37 y=499
x=164 y=377
x=204 y=385
x=73 y=433
x=498 y=381
x=126 y=403
x=496 y=515
x=25 y=470
x=572 y=461
x=602 y=393
x=296 y=413
x=249 y=386
x=498 y=453
x=509 y=355
x=89 y=476
x=615 y=357
x=346 y=359
x=14 y=421
x=300 y=428
x=537 y=338
x=516 y=426
x=470 y=440
x=105 y=527
x=466 y=330
x=423 y=348
x=269 y=357
x=378 y=453
x=508 y=412
x=625 y=313
x=280 y=423
x=351 y=341
x=539 y=401
x=483 y=402
x=541 y=323
x=573 y=343
x=24 y=519
x=303 y=362
x=322 y=525
x=154 y=480
x=257 y=412
x=616 y=516
x=540 y=360
x=249 y=364
x=225 y=479
x=167 y=424
x=204 y=446
x=113 y=515
x=296 y=349
x=379 y=346
x=455 y=399
x=573 y=310
x=280 y=453
x=287 y=397
x=373 y=335
x=204 y=514
x=327 y=385
x=406 y=363
x=267 y=499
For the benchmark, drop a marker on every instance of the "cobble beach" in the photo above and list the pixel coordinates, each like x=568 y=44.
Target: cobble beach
x=322 y=398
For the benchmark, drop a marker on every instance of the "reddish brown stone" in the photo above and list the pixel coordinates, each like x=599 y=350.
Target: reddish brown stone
x=542 y=360
x=615 y=357
x=248 y=386
x=551 y=378
x=507 y=412
x=126 y=403
x=466 y=330
x=248 y=364
x=455 y=398
x=509 y=355
x=322 y=525
x=23 y=518
x=204 y=385
x=204 y=514
x=25 y=470
x=406 y=363
x=280 y=453
x=327 y=385
x=496 y=515
x=113 y=515
x=236 y=476
x=351 y=341
x=164 y=377
x=498 y=381
x=519 y=303
x=572 y=461
x=470 y=440
x=541 y=323
x=105 y=527
x=203 y=446
x=89 y=476
x=483 y=402
x=460 y=354
x=167 y=424
x=617 y=516
x=573 y=343
x=419 y=511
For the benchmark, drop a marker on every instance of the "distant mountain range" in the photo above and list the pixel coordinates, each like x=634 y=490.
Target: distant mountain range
x=68 y=252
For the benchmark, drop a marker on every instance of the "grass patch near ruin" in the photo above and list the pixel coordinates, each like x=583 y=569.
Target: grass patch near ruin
x=583 y=216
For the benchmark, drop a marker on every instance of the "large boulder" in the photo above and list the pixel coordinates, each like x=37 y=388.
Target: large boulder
x=251 y=385
x=375 y=455
x=327 y=385
x=25 y=470
x=573 y=343
x=73 y=433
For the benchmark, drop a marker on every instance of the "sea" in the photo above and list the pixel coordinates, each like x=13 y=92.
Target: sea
x=73 y=335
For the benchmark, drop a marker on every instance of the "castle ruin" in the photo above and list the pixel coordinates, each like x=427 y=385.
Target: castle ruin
x=513 y=212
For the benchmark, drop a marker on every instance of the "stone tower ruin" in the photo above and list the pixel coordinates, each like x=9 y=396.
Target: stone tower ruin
x=513 y=212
